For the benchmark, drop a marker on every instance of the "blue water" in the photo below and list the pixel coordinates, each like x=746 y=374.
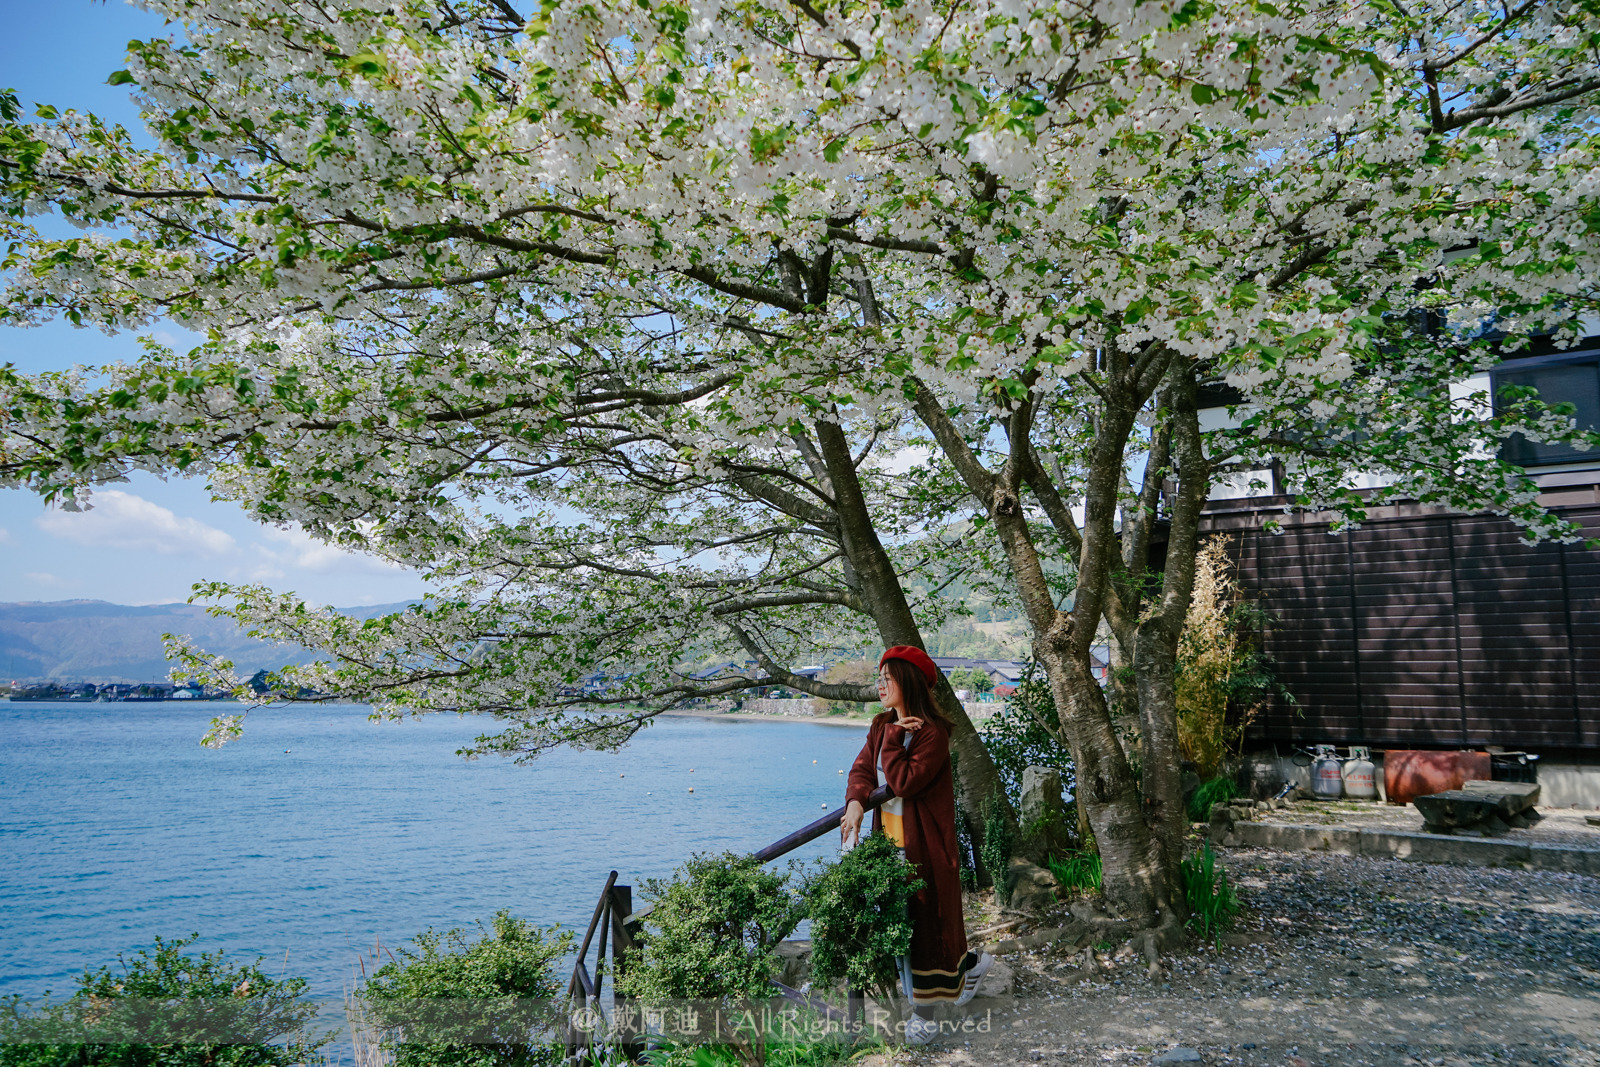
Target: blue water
x=319 y=833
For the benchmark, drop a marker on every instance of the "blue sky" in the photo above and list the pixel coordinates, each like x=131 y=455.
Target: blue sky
x=147 y=541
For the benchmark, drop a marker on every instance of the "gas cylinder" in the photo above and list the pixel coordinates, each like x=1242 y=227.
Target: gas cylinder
x=1327 y=780
x=1360 y=782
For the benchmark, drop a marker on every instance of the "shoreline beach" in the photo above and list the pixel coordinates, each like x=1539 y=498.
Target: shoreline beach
x=748 y=716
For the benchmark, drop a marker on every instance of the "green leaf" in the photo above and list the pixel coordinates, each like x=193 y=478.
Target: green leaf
x=120 y=77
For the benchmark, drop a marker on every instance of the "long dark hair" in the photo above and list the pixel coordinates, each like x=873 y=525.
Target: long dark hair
x=914 y=691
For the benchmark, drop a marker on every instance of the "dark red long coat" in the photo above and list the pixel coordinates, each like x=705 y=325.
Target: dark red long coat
x=921 y=776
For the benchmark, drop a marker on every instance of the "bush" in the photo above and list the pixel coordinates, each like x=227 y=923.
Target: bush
x=434 y=992
x=779 y=1053
x=1026 y=732
x=712 y=935
x=1078 y=870
x=858 y=917
x=713 y=932
x=1218 y=664
x=1216 y=791
x=166 y=1009
x=1213 y=904
x=973 y=678
x=997 y=842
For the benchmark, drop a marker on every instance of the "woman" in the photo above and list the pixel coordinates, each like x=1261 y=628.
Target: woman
x=908 y=749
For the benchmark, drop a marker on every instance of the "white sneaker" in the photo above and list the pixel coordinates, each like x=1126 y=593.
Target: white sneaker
x=969 y=981
x=920 y=1031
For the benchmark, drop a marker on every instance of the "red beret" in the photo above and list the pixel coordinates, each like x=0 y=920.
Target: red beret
x=917 y=658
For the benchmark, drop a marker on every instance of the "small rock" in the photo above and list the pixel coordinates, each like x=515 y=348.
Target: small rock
x=999 y=982
x=1028 y=887
x=1221 y=828
x=1178 y=1055
x=796 y=957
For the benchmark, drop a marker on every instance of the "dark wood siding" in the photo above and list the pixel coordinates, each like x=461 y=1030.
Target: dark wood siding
x=1583 y=600
x=1426 y=629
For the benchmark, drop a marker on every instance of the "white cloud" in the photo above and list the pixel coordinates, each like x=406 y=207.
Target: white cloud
x=901 y=461
x=122 y=520
x=307 y=553
x=44 y=578
x=5 y=536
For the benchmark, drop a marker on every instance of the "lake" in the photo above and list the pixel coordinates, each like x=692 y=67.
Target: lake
x=320 y=833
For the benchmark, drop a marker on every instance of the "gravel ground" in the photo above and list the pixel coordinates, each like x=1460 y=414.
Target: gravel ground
x=1335 y=960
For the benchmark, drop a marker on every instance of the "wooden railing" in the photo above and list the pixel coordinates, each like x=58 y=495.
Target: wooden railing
x=615 y=923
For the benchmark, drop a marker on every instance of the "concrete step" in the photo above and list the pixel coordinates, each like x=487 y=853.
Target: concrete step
x=1419 y=848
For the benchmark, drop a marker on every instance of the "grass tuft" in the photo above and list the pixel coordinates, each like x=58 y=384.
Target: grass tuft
x=1213 y=904
x=1216 y=791
x=1079 y=870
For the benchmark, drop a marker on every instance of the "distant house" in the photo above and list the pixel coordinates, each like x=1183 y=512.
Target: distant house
x=1426 y=628
x=998 y=670
x=1007 y=674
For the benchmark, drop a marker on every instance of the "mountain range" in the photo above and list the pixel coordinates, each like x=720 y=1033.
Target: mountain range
x=96 y=641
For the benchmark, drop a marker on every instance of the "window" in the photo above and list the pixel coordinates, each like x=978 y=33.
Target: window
x=1561 y=380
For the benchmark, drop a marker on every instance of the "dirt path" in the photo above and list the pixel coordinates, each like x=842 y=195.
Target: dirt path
x=1337 y=960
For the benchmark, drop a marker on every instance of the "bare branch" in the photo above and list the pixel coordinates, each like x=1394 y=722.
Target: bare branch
x=860 y=694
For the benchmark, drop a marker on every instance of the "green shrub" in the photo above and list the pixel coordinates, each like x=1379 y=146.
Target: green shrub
x=435 y=993
x=1213 y=904
x=1216 y=791
x=166 y=1009
x=858 y=917
x=1026 y=732
x=1078 y=870
x=971 y=678
x=713 y=931
x=997 y=842
x=966 y=858
x=712 y=935
x=779 y=1053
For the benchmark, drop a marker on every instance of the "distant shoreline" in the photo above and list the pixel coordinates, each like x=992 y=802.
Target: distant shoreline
x=746 y=716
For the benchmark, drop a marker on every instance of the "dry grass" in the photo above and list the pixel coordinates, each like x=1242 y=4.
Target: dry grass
x=1211 y=651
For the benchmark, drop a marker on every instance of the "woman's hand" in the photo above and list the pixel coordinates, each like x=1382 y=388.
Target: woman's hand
x=850 y=823
x=911 y=723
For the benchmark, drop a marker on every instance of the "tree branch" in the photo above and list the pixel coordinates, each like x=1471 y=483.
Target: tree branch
x=842 y=599
x=860 y=694
x=1454 y=120
x=980 y=480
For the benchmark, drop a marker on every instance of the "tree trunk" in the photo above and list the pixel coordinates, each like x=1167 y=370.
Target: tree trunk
x=1159 y=631
x=886 y=599
x=1133 y=880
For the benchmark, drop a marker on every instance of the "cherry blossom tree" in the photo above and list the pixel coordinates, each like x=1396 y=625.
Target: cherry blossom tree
x=690 y=266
